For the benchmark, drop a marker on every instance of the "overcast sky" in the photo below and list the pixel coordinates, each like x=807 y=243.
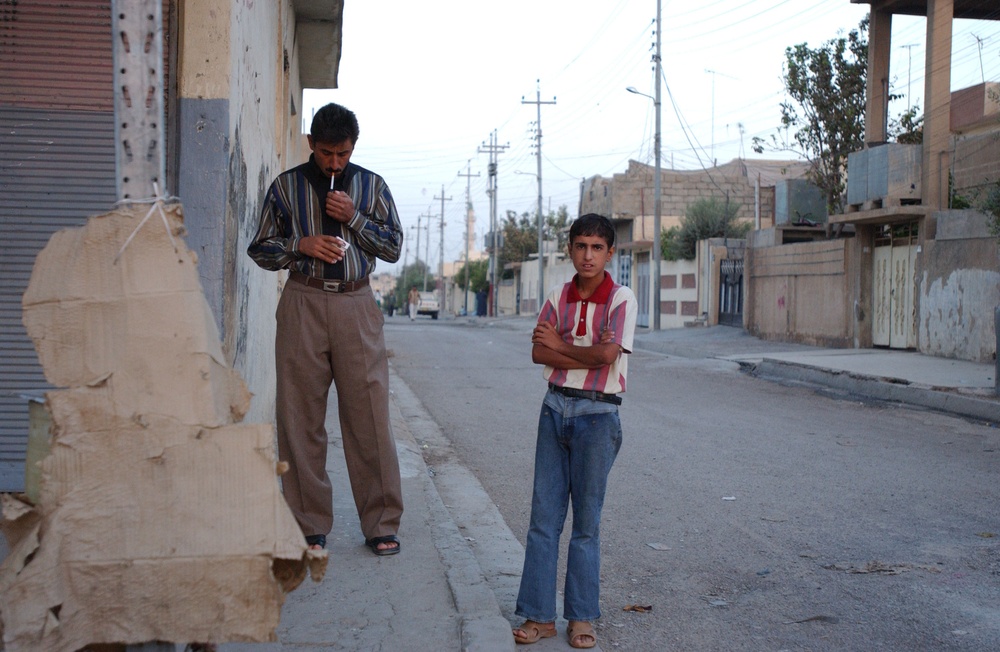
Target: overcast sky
x=429 y=81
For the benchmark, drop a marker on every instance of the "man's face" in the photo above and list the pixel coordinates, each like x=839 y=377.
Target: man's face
x=332 y=158
x=590 y=254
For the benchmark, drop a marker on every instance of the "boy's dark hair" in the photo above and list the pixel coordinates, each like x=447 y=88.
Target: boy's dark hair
x=334 y=124
x=593 y=224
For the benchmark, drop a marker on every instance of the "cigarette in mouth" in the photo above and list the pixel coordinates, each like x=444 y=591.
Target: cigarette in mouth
x=332 y=178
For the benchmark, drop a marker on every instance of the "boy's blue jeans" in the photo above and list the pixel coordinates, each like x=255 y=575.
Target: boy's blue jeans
x=578 y=441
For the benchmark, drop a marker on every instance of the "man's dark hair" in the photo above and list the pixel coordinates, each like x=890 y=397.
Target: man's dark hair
x=334 y=124
x=593 y=224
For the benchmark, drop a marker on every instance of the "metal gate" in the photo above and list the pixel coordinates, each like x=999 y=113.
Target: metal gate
x=731 y=292
x=894 y=321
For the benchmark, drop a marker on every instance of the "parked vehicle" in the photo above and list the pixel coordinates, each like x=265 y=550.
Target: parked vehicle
x=428 y=305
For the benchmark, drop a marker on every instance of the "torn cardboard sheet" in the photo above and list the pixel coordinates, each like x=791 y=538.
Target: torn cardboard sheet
x=159 y=515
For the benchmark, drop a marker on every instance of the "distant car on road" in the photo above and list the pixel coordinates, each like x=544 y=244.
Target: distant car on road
x=428 y=305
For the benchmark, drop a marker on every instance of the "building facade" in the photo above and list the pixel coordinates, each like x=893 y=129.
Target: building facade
x=233 y=79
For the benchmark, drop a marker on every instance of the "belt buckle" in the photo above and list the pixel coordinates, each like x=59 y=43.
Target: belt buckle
x=333 y=286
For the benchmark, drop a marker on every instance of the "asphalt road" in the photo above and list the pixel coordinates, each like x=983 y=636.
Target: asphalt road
x=748 y=515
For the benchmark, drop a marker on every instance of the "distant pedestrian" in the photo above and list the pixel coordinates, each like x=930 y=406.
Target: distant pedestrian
x=326 y=221
x=583 y=336
x=413 y=299
x=390 y=303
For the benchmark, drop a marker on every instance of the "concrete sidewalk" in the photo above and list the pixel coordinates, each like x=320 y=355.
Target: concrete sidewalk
x=430 y=597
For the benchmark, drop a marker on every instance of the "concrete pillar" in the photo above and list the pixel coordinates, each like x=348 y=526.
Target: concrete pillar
x=204 y=144
x=937 y=104
x=877 y=104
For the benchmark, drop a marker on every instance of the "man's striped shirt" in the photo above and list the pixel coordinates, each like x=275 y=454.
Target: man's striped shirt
x=294 y=208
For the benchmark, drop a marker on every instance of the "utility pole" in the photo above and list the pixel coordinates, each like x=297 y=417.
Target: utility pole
x=416 y=252
x=541 y=221
x=657 y=201
x=468 y=228
x=494 y=150
x=140 y=159
x=441 y=252
x=427 y=244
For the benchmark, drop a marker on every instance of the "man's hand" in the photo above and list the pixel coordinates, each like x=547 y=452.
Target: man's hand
x=324 y=247
x=339 y=206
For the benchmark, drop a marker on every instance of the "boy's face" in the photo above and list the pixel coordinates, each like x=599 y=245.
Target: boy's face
x=590 y=254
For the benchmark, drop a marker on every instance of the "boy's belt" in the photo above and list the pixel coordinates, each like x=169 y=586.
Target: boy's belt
x=328 y=285
x=582 y=393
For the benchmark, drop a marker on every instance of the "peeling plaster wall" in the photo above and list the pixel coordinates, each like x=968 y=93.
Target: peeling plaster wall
x=240 y=110
x=257 y=149
x=959 y=290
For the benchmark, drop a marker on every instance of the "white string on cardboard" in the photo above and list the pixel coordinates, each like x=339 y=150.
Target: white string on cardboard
x=157 y=207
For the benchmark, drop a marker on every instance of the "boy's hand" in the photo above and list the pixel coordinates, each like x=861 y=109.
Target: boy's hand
x=546 y=335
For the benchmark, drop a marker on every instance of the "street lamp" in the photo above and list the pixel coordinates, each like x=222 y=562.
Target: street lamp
x=655 y=253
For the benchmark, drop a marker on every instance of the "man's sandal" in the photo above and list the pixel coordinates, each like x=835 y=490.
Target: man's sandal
x=532 y=632
x=581 y=634
x=374 y=542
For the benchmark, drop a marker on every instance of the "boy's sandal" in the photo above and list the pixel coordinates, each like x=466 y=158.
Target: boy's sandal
x=316 y=540
x=581 y=634
x=375 y=541
x=531 y=632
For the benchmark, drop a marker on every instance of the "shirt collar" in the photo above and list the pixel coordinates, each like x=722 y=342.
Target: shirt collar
x=320 y=182
x=600 y=295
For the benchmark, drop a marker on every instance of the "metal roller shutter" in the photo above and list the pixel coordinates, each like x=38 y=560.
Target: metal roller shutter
x=57 y=167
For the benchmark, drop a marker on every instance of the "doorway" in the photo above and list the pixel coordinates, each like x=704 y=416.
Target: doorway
x=894 y=322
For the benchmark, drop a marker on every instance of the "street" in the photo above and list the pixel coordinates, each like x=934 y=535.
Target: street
x=745 y=514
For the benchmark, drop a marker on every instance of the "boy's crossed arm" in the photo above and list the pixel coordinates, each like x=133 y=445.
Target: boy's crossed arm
x=550 y=349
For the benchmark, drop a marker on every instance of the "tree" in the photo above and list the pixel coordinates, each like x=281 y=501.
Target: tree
x=908 y=128
x=478 y=280
x=708 y=217
x=520 y=234
x=826 y=109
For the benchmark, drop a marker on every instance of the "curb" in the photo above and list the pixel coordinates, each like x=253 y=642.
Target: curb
x=484 y=629
x=881 y=388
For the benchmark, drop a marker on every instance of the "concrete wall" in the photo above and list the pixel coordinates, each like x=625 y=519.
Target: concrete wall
x=558 y=270
x=958 y=289
x=631 y=194
x=801 y=292
x=237 y=78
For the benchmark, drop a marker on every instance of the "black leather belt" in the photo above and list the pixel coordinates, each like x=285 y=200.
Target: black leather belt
x=582 y=393
x=326 y=285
